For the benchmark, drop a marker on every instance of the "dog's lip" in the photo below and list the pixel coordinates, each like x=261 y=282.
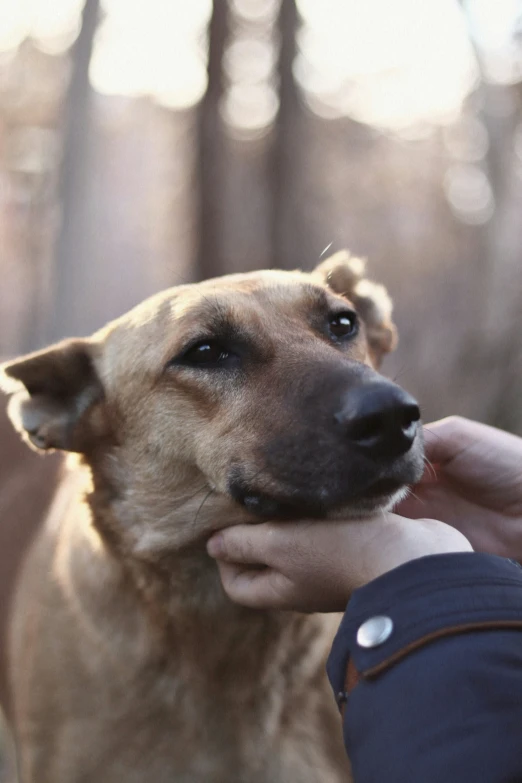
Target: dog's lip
x=330 y=498
x=383 y=487
x=263 y=506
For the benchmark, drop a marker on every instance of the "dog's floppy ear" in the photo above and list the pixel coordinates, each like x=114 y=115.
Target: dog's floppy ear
x=345 y=275
x=55 y=393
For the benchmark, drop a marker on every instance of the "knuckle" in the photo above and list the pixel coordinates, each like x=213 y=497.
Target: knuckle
x=451 y=431
x=456 y=423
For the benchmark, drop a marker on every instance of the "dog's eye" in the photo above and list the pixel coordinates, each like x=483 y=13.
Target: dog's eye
x=343 y=325
x=207 y=353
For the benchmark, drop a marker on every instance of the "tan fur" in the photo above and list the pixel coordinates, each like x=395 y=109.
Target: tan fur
x=128 y=662
x=27 y=484
x=345 y=275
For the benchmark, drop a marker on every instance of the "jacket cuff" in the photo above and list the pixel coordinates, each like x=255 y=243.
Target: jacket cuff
x=417 y=603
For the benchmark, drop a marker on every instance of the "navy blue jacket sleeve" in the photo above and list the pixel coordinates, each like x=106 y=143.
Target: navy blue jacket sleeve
x=440 y=699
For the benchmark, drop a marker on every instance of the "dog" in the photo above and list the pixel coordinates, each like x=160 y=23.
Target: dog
x=251 y=396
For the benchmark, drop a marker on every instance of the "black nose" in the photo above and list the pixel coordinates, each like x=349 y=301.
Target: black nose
x=380 y=418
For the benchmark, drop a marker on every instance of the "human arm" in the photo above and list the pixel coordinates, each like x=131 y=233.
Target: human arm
x=441 y=697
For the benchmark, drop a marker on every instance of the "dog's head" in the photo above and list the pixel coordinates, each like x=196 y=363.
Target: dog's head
x=261 y=387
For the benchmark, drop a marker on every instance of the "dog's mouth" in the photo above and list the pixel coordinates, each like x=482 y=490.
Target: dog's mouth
x=381 y=493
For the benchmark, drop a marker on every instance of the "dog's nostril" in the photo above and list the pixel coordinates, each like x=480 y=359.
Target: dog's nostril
x=366 y=429
x=410 y=419
x=410 y=415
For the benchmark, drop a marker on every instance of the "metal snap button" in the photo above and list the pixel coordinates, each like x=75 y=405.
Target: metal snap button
x=374 y=631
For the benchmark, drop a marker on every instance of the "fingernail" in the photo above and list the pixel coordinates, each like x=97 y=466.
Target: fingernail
x=215 y=546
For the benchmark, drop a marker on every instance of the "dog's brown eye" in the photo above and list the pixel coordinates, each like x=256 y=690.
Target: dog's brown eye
x=343 y=325
x=207 y=353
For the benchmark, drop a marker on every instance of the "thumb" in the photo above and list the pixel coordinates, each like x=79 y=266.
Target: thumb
x=258 y=588
x=247 y=544
x=445 y=439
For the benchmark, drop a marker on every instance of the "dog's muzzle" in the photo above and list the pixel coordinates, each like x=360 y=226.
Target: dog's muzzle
x=360 y=448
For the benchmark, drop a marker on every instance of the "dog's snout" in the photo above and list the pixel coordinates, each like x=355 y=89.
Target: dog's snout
x=380 y=418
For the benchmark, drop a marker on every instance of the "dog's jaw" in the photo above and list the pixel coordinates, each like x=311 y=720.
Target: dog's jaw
x=371 y=507
x=162 y=545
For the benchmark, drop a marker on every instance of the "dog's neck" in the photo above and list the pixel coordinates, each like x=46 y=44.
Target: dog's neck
x=160 y=534
x=179 y=607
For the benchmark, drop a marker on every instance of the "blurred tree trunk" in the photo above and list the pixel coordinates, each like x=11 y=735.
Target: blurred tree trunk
x=77 y=130
x=288 y=234
x=31 y=337
x=211 y=143
x=500 y=294
x=508 y=410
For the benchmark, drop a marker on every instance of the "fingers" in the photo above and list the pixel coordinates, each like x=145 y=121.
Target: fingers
x=238 y=550
x=454 y=440
x=414 y=504
x=247 y=544
x=446 y=438
x=254 y=587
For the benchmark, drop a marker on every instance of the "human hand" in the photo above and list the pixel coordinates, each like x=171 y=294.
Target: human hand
x=315 y=565
x=475 y=484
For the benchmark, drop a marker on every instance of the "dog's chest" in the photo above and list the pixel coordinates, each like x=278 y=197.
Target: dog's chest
x=176 y=732
x=232 y=699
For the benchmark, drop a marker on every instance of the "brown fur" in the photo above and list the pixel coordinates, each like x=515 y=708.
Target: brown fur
x=127 y=661
x=27 y=484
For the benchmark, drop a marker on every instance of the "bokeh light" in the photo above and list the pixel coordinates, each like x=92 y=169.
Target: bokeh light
x=52 y=23
x=152 y=48
x=250 y=102
x=467 y=139
x=469 y=193
x=387 y=64
x=493 y=23
x=392 y=65
x=255 y=11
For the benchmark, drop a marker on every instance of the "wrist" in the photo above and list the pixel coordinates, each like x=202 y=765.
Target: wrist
x=404 y=540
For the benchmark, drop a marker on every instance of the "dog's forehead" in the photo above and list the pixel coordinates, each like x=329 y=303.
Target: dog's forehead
x=241 y=297
x=146 y=335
